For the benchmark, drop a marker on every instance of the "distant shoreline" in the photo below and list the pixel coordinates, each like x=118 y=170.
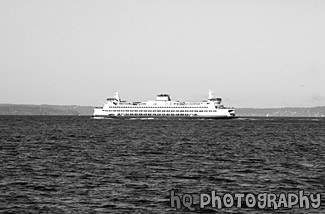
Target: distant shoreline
x=90 y=115
x=62 y=110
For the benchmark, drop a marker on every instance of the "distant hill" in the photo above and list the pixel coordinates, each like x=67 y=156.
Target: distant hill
x=23 y=109
x=282 y=112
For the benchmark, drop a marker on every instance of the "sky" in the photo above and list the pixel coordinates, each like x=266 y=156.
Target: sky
x=252 y=53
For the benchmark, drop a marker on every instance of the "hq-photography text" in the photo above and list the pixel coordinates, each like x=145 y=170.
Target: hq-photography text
x=250 y=200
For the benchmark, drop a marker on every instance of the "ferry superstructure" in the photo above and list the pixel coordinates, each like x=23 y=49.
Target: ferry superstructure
x=163 y=106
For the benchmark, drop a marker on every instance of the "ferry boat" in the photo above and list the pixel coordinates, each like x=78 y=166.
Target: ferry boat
x=164 y=107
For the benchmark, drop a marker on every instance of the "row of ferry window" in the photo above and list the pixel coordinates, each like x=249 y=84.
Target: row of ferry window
x=158 y=107
x=161 y=110
x=160 y=114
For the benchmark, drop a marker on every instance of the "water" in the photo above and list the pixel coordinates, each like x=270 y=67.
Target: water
x=80 y=165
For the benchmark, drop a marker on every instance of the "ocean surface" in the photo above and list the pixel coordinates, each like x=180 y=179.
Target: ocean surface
x=71 y=164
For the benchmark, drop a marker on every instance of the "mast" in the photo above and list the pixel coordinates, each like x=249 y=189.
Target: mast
x=210 y=94
x=117 y=97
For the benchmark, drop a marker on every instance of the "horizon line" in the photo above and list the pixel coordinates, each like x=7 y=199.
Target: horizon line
x=97 y=105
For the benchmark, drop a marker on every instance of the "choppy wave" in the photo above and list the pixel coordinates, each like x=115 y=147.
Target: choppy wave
x=79 y=165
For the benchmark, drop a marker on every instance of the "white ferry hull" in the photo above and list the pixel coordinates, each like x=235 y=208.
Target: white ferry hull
x=219 y=114
x=165 y=117
x=163 y=107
